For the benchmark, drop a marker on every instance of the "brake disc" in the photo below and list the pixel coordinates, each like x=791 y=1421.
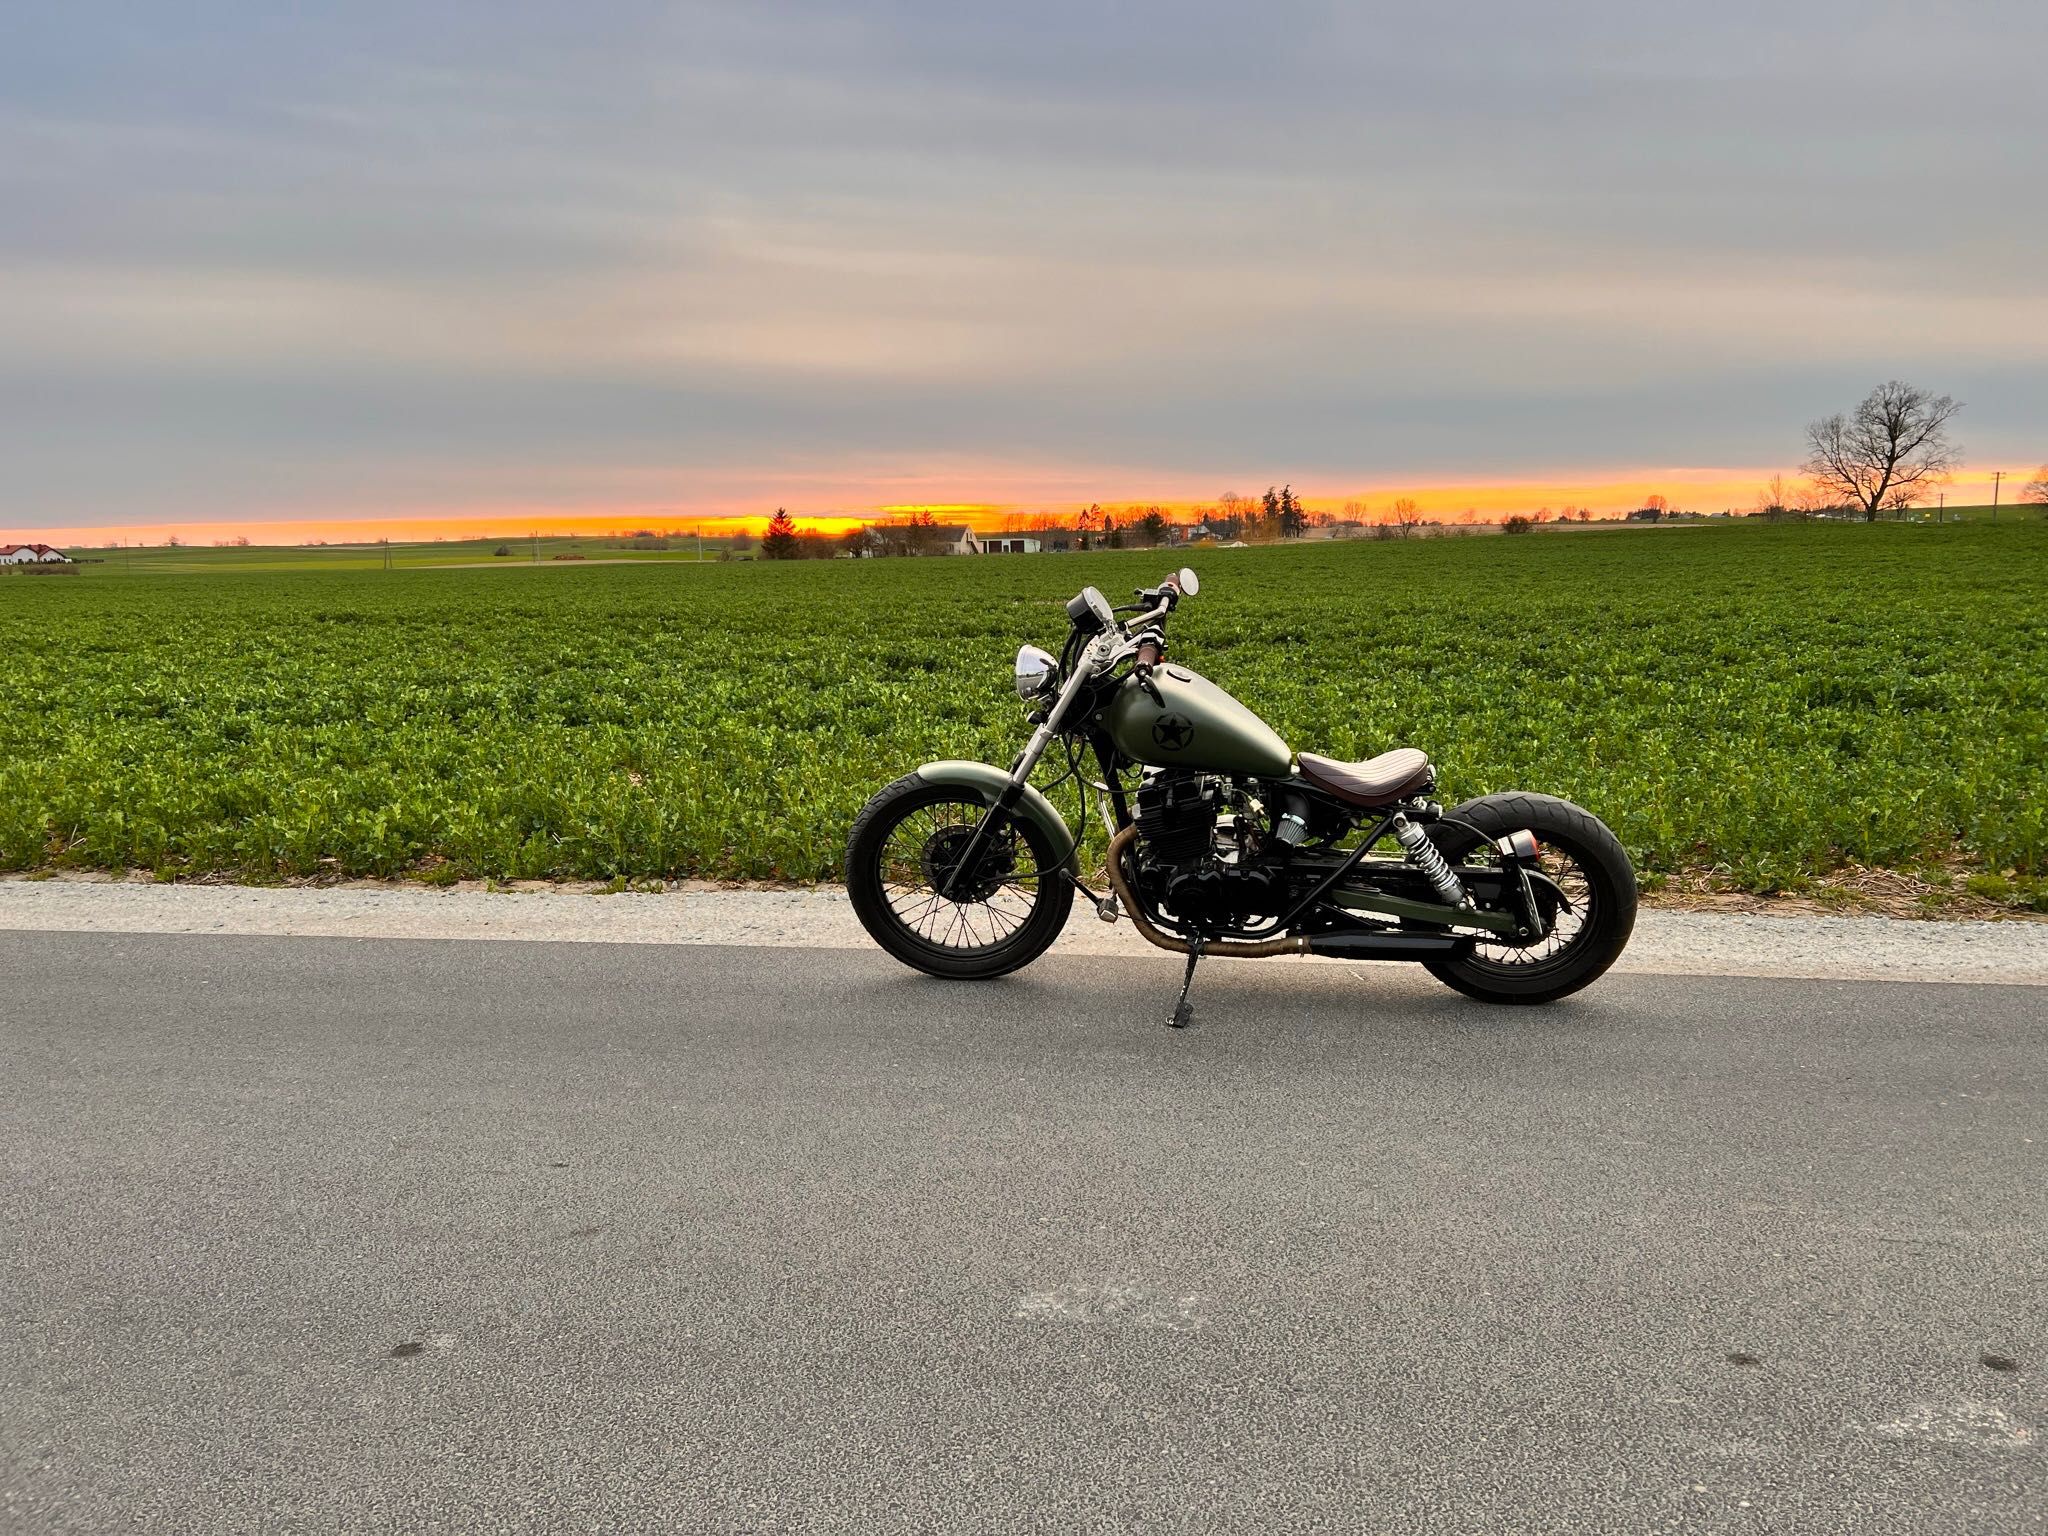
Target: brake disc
x=994 y=864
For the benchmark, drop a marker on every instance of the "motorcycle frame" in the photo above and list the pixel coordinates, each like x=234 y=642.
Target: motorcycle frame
x=1110 y=760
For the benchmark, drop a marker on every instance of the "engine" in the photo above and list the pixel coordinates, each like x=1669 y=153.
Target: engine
x=1199 y=854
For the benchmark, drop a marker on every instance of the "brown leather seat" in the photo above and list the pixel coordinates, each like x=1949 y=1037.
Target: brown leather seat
x=1375 y=781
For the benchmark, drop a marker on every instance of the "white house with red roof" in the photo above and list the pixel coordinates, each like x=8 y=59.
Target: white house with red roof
x=29 y=554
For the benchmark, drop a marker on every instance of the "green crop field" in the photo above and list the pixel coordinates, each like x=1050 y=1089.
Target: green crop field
x=1765 y=702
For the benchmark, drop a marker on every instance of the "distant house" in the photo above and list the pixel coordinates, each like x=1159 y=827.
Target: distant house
x=31 y=554
x=954 y=539
x=1012 y=544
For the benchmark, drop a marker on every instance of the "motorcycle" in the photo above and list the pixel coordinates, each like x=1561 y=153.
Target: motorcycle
x=1228 y=842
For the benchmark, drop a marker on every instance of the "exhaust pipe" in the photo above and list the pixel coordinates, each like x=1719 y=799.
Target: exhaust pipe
x=1243 y=949
x=1347 y=946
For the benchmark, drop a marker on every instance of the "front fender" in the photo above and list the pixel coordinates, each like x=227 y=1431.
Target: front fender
x=990 y=782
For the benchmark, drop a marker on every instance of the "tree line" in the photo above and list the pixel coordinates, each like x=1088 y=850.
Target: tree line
x=1277 y=515
x=1887 y=455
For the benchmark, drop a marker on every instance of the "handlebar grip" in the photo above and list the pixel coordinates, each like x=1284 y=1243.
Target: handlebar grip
x=1148 y=654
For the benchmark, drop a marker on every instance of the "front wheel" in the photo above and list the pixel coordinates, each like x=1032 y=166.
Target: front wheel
x=917 y=896
x=1584 y=860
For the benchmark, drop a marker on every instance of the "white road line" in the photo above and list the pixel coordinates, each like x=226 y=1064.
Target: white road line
x=1665 y=943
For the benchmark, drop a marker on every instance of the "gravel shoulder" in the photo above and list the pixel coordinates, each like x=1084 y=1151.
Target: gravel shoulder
x=1665 y=943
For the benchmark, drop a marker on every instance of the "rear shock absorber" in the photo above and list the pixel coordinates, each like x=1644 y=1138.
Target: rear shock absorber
x=1424 y=855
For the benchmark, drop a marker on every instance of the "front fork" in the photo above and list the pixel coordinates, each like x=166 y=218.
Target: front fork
x=1000 y=813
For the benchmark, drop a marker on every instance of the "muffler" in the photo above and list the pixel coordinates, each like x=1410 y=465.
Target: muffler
x=1390 y=946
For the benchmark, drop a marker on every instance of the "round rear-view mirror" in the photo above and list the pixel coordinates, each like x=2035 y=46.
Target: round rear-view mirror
x=1187 y=582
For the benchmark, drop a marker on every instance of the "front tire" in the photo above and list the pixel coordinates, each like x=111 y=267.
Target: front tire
x=1600 y=875
x=906 y=841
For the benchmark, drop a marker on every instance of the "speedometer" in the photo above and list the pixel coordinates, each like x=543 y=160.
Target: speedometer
x=1090 y=612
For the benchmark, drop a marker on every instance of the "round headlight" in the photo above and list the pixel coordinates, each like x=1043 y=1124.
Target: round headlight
x=1035 y=670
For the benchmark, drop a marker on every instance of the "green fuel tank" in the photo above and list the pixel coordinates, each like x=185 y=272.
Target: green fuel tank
x=1193 y=724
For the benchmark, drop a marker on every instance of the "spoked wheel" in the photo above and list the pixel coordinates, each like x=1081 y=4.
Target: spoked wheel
x=917 y=894
x=1582 y=859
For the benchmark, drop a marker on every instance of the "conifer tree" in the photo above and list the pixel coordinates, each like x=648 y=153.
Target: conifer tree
x=779 y=542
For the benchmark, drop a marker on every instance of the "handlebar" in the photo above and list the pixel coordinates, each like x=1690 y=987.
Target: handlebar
x=1103 y=638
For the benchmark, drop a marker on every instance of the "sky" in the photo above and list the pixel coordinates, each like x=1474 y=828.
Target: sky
x=506 y=262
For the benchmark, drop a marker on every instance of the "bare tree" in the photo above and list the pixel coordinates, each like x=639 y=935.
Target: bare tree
x=1775 y=503
x=1404 y=515
x=1885 y=453
x=2037 y=488
x=1269 y=525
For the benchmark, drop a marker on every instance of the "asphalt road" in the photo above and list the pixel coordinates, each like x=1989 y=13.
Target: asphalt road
x=325 y=1234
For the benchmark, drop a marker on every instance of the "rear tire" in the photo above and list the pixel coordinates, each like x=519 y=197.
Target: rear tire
x=875 y=863
x=1610 y=886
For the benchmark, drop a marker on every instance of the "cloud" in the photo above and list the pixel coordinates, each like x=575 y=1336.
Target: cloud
x=247 y=256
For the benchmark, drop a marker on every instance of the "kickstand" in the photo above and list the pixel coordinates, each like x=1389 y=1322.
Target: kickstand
x=1184 y=1015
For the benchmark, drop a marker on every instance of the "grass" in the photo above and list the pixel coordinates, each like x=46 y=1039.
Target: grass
x=2009 y=511
x=1765 y=702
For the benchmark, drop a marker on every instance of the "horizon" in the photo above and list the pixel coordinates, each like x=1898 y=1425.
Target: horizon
x=1687 y=491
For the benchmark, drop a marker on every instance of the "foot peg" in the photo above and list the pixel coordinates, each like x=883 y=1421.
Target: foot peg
x=1108 y=908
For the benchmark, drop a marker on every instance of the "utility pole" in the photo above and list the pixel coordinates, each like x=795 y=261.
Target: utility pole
x=1996 y=476
x=1941 y=506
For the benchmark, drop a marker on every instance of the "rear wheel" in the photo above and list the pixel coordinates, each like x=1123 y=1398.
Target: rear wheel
x=1583 y=859
x=1002 y=912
